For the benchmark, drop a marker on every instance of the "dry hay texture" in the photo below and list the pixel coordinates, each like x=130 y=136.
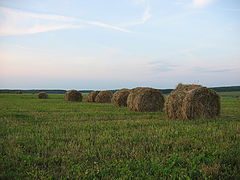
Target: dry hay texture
x=19 y=92
x=145 y=100
x=42 y=95
x=120 y=97
x=104 y=97
x=191 y=102
x=92 y=96
x=73 y=95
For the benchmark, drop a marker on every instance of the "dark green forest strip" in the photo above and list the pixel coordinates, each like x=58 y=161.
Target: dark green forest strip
x=164 y=91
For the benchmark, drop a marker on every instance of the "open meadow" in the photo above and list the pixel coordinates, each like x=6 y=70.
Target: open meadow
x=53 y=139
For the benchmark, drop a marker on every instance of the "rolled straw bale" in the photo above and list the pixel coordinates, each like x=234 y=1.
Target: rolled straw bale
x=42 y=95
x=201 y=102
x=145 y=100
x=73 y=95
x=104 y=97
x=120 y=97
x=92 y=96
x=192 y=101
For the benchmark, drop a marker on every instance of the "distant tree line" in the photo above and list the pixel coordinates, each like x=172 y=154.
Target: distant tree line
x=227 y=89
x=59 y=91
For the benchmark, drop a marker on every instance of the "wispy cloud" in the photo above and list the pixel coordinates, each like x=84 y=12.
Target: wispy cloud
x=15 y=12
x=17 y=22
x=212 y=70
x=178 y=60
x=100 y=24
x=200 y=3
x=193 y=3
x=145 y=16
x=140 y=1
x=162 y=66
x=231 y=9
x=6 y=31
x=181 y=2
x=176 y=18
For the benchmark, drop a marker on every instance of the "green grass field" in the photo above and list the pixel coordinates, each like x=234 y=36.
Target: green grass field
x=54 y=139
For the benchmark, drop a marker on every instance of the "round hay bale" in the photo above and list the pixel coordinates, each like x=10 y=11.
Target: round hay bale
x=92 y=96
x=192 y=101
x=104 y=97
x=42 y=95
x=201 y=102
x=131 y=98
x=19 y=92
x=120 y=97
x=173 y=105
x=73 y=95
x=145 y=100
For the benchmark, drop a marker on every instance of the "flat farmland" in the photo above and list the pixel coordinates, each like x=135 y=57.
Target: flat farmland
x=55 y=139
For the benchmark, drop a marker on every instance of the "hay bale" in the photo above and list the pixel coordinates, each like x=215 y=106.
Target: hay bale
x=192 y=101
x=73 y=95
x=19 y=92
x=131 y=98
x=120 y=97
x=42 y=95
x=173 y=105
x=92 y=96
x=145 y=100
x=201 y=102
x=104 y=97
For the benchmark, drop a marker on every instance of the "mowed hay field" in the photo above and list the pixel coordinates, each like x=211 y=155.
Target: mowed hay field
x=53 y=139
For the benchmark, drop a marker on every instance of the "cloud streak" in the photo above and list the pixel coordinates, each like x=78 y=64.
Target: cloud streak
x=162 y=66
x=145 y=16
x=212 y=70
x=17 y=22
x=231 y=9
x=108 y=26
x=200 y=3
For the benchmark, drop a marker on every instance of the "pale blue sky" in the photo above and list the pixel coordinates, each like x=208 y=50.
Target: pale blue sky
x=110 y=44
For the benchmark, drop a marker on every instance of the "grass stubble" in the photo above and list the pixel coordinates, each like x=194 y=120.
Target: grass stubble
x=52 y=139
